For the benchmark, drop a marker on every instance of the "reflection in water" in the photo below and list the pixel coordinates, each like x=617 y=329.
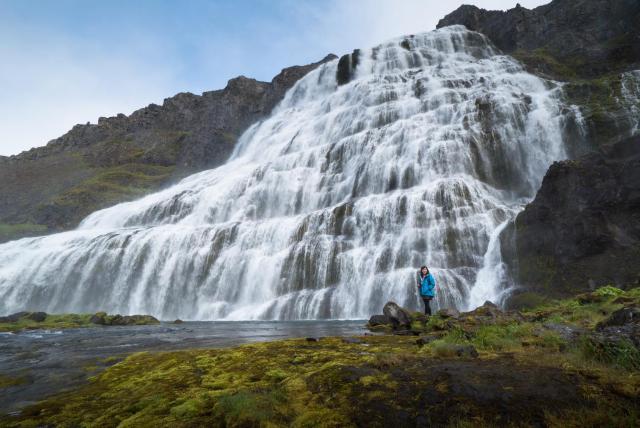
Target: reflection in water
x=52 y=361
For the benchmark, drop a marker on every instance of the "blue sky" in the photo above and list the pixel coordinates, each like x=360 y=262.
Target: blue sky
x=72 y=61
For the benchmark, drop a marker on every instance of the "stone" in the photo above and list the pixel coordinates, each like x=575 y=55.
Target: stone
x=583 y=225
x=14 y=317
x=311 y=339
x=376 y=320
x=398 y=315
x=620 y=317
x=178 y=321
x=37 y=316
x=98 y=318
x=449 y=313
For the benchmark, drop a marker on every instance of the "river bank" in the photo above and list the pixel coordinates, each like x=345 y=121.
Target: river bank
x=560 y=364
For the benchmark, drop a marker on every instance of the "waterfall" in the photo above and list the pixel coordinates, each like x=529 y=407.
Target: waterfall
x=327 y=208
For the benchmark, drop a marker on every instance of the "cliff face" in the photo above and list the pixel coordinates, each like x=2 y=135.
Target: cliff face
x=593 y=45
x=583 y=228
x=565 y=38
x=53 y=187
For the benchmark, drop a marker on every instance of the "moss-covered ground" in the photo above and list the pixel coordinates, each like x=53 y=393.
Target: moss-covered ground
x=61 y=321
x=527 y=373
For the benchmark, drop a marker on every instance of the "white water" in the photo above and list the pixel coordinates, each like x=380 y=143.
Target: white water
x=327 y=208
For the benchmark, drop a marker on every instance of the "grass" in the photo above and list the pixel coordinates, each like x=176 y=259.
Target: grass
x=384 y=380
x=10 y=232
x=62 y=321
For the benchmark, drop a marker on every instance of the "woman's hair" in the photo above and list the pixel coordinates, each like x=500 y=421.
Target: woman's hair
x=424 y=267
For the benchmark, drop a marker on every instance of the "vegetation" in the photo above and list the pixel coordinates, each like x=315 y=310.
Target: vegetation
x=41 y=320
x=527 y=371
x=9 y=232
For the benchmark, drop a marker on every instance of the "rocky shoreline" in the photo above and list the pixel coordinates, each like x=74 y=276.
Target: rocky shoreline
x=572 y=362
x=41 y=320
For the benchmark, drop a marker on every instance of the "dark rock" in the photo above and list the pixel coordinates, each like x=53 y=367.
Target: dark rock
x=590 y=298
x=449 y=313
x=567 y=332
x=14 y=317
x=587 y=37
x=98 y=318
x=458 y=350
x=376 y=320
x=398 y=315
x=425 y=340
x=347 y=66
x=53 y=187
x=620 y=317
x=582 y=230
x=311 y=339
x=405 y=332
x=37 y=316
x=178 y=321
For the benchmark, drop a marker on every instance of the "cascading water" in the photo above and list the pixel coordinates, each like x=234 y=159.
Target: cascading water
x=327 y=208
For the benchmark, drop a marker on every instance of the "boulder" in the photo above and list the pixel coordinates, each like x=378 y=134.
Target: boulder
x=14 y=317
x=178 y=321
x=37 y=316
x=398 y=315
x=98 y=318
x=376 y=320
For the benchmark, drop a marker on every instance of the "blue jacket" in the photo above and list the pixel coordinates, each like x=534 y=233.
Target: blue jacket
x=427 y=285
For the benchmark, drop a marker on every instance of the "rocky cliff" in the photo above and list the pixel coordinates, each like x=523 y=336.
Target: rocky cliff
x=593 y=45
x=565 y=38
x=52 y=188
x=582 y=230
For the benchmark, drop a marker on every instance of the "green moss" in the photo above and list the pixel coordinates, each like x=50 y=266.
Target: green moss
x=62 y=321
x=10 y=232
x=383 y=380
x=59 y=321
x=7 y=381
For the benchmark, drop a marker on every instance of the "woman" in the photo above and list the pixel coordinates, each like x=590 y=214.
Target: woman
x=427 y=287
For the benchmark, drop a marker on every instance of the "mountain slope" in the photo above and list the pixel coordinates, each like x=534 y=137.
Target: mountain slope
x=93 y=166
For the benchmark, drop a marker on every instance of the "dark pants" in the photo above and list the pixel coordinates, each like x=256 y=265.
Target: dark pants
x=427 y=306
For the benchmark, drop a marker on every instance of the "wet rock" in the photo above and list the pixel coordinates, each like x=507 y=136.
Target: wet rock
x=14 y=317
x=312 y=339
x=620 y=317
x=566 y=332
x=98 y=318
x=37 y=316
x=178 y=321
x=377 y=320
x=101 y=318
x=449 y=313
x=398 y=315
x=582 y=231
x=488 y=309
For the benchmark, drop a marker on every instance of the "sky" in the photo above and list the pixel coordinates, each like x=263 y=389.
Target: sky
x=66 y=62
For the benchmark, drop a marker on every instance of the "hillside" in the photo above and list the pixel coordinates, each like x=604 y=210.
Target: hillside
x=51 y=188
